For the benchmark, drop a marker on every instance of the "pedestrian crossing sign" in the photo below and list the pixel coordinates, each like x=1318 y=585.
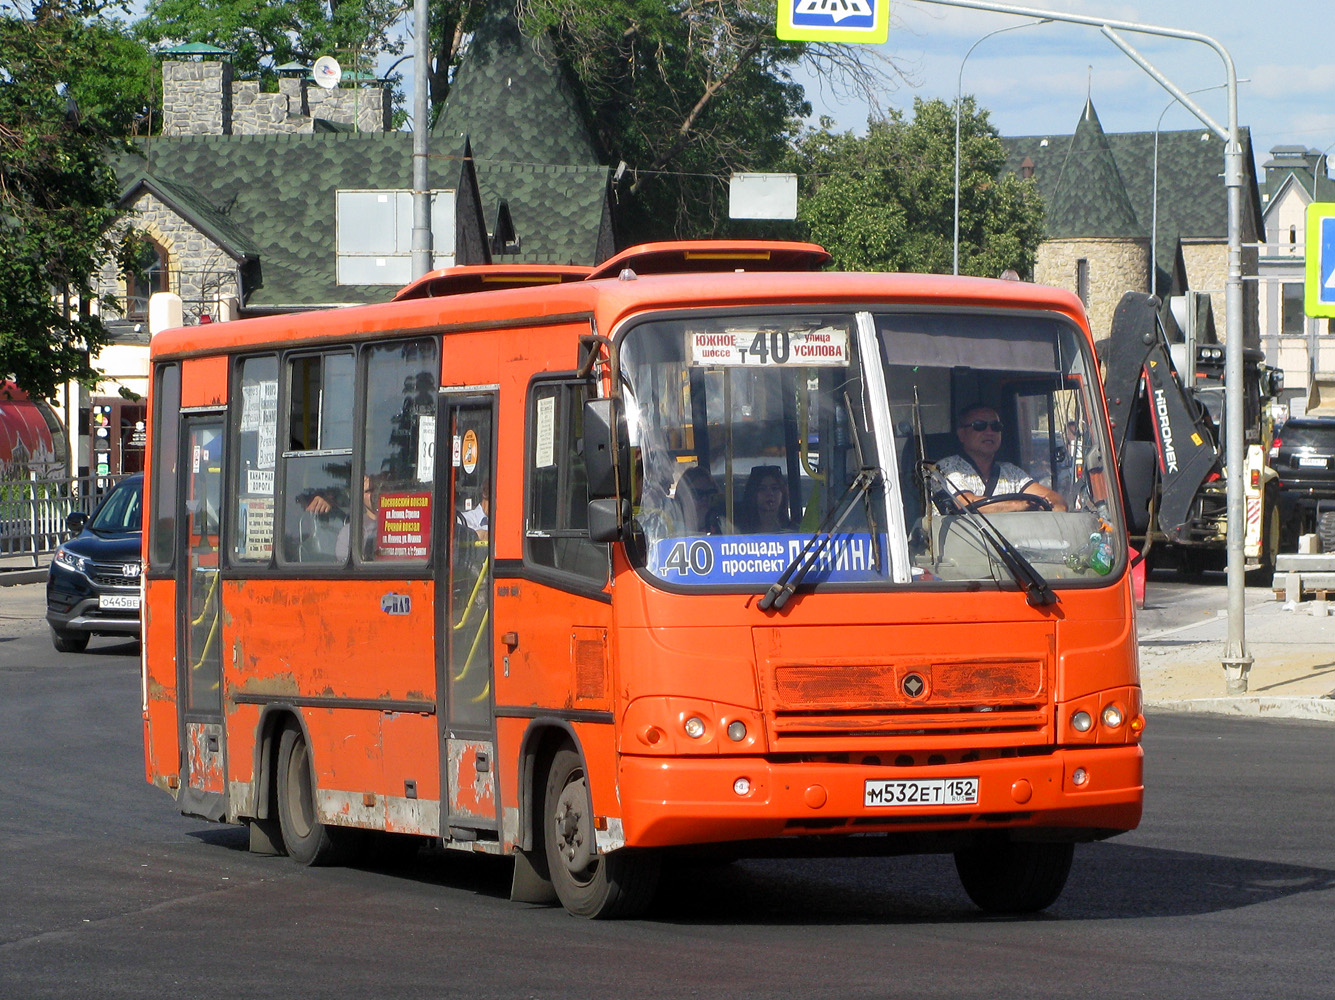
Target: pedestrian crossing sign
x=1319 y=294
x=834 y=21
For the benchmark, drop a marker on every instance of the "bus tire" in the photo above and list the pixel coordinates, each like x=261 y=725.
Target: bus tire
x=1004 y=876
x=609 y=886
x=306 y=840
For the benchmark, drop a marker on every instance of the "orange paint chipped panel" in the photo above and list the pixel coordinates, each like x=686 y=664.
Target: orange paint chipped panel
x=472 y=780
x=204 y=757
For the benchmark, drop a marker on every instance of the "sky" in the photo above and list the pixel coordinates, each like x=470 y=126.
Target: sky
x=1034 y=80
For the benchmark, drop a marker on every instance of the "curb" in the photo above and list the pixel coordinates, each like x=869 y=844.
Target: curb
x=1310 y=709
x=14 y=577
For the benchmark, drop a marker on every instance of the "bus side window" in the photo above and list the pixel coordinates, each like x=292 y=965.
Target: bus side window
x=317 y=468
x=255 y=453
x=556 y=534
x=398 y=450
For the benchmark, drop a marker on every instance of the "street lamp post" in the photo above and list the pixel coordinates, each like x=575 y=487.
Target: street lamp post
x=959 y=88
x=1154 y=207
x=1236 y=661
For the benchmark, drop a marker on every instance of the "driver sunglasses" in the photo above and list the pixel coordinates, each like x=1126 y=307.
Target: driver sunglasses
x=983 y=425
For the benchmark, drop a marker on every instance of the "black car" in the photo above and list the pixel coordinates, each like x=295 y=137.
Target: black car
x=1303 y=456
x=93 y=584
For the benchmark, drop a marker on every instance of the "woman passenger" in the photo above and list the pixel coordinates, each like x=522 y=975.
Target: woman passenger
x=764 y=505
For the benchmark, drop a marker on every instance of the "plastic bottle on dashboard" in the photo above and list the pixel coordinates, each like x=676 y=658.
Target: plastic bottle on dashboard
x=1100 y=554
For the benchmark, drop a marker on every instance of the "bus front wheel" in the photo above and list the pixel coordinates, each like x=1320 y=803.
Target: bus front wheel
x=619 y=884
x=1004 y=876
x=305 y=838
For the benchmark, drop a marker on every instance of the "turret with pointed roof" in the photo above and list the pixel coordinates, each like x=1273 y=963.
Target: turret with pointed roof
x=1090 y=198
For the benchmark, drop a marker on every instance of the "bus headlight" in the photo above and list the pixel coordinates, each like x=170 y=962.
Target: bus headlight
x=695 y=727
x=1112 y=717
x=1081 y=722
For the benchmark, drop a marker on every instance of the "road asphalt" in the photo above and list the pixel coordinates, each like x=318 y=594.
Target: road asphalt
x=1181 y=669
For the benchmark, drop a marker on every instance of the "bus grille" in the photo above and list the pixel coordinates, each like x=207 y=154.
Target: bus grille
x=993 y=702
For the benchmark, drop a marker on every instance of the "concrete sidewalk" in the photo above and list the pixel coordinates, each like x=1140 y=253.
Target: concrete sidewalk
x=1181 y=670
x=1292 y=676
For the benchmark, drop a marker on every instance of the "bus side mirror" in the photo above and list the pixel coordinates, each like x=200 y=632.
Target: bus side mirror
x=606 y=516
x=605 y=450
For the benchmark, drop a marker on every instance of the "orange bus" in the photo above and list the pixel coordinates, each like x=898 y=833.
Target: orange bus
x=594 y=566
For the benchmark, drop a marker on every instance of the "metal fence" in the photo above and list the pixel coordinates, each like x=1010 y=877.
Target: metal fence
x=33 y=512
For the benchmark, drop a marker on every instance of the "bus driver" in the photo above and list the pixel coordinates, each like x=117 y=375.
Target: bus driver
x=977 y=474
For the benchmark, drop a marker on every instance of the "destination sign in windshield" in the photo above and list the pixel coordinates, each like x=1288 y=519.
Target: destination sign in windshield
x=798 y=348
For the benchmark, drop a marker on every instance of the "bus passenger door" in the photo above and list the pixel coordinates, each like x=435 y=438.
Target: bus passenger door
x=465 y=456
x=198 y=602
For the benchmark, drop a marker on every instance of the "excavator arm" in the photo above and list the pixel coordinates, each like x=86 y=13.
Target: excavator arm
x=1144 y=391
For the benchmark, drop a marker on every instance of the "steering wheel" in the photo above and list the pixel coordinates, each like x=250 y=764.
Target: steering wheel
x=1033 y=499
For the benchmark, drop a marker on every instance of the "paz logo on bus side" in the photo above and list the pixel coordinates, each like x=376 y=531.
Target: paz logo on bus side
x=834 y=21
x=1319 y=288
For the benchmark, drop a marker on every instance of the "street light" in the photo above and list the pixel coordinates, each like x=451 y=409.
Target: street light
x=959 y=87
x=1237 y=660
x=1154 y=209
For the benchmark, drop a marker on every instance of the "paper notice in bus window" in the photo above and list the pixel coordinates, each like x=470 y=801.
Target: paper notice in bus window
x=250 y=408
x=426 y=446
x=544 y=456
x=255 y=526
x=267 y=442
x=762 y=348
x=403 y=526
x=259 y=482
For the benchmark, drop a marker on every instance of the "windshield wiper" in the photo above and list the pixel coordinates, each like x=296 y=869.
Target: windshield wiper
x=782 y=588
x=1036 y=589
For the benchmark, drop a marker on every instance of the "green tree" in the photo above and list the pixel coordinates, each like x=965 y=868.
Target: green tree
x=68 y=97
x=687 y=92
x=262 y=36
x=885 y=201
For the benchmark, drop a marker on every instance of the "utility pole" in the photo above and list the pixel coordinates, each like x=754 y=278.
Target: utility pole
x=421 y=193
x=1237 y=660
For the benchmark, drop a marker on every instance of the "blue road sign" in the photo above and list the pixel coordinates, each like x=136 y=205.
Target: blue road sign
x=1319 y=291
x=834 y=20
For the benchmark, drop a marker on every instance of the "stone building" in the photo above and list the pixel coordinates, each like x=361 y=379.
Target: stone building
x=1139 y=211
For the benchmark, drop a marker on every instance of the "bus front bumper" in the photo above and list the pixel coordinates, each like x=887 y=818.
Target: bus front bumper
x=1083 y=792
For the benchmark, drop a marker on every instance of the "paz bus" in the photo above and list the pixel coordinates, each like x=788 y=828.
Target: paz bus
x=482 y=568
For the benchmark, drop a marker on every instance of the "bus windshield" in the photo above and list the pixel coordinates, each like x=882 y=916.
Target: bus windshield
x=749 y=432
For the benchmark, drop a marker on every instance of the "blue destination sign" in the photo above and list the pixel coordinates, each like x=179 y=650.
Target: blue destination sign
x=747 y=560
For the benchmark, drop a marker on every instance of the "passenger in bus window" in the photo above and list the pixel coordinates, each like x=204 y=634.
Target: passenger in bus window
x=977 y=474
x=699 y=500
x=479 y=517
x=764 y=506
x=370 y=506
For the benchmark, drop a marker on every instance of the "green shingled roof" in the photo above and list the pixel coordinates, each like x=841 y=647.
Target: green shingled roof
x=271 y=199
x=275 y=196
x=555 y=208
x=1089 y=198
x=1192 y=202
x=513 y=101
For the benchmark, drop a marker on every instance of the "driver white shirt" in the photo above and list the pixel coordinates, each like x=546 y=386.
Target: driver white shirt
x=965 y=477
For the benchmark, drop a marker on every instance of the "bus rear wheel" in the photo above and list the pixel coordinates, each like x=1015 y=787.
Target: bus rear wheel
x=305 y=838
x=1004 y=876
x=620 y=884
